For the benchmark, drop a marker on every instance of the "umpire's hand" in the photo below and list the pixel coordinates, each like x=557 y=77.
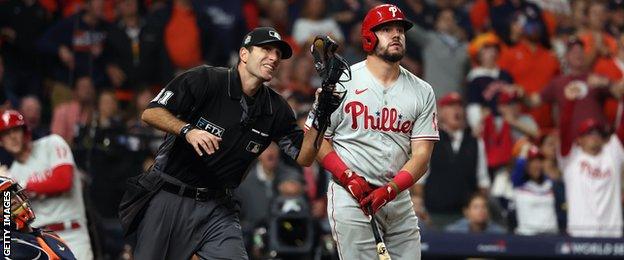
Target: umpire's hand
x=200 y=138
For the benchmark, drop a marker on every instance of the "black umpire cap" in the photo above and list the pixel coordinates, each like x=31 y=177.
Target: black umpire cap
x=267 y=35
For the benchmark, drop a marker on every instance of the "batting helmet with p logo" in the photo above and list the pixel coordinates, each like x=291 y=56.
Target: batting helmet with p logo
x=377 y=16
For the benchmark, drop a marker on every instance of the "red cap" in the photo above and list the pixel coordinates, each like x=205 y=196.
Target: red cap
x=450 y=98
x=506 y=97
x=589 y=125
x=11 y=119
x=534 y=153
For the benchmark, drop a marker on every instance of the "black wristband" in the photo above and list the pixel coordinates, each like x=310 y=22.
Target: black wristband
x=185 y=129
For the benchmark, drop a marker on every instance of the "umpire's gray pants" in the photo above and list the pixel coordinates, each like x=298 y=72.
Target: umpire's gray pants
x=176 y=227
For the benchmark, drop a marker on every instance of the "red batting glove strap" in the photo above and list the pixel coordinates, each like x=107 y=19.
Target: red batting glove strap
x=336 y=166
x=377 y=199
x=404 y=180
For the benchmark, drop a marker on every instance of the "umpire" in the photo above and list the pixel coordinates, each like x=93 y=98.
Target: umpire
x=218 y=121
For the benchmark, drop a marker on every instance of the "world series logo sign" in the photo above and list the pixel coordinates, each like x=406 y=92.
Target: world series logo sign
x=596 y=248
x=6 y=223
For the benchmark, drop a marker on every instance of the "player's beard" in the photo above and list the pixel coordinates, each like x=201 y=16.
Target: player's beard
x=386 y=55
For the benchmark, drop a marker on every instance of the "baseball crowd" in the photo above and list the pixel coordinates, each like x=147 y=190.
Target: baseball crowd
x=529 y=94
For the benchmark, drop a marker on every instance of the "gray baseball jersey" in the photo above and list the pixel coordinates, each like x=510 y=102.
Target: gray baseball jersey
x=373 y=129
x=372 y=133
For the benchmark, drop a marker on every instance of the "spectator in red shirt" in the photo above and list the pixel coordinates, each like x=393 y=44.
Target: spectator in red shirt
x=591 y=89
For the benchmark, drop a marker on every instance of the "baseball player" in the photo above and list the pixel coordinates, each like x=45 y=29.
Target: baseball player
x=27 y=242
x=45 y=168
x=378 y=144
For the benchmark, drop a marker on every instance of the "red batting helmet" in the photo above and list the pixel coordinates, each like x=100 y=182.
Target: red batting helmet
x=11 y=119
x=379 y=15
x=21 y=212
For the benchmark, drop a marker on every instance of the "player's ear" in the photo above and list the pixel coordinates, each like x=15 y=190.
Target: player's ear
x=243 y=54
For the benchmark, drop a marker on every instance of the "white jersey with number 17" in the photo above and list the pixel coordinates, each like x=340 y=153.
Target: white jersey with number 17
x=373 y=129
x=47 y=153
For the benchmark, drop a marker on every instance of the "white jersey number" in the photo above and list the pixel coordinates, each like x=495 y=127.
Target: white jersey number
x=163 y=96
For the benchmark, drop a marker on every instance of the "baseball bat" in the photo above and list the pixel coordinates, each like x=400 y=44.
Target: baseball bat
x=382 y=251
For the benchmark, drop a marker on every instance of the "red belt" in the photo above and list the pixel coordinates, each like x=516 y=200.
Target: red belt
x=56 y=227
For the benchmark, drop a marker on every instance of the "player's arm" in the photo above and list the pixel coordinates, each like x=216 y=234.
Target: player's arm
x=58 y=181
x=424 y=134
x=59 y=177
x=345 y=177
x=411 y=172
x=416 y=166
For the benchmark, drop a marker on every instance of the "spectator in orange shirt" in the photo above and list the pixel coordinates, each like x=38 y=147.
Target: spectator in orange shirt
x=531 y=65
x=176 y=38
x=597 y=42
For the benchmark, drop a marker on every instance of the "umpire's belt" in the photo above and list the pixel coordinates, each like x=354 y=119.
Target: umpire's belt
x=198 y=194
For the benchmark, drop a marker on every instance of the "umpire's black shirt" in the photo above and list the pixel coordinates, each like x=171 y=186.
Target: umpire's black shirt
x=212 y=99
